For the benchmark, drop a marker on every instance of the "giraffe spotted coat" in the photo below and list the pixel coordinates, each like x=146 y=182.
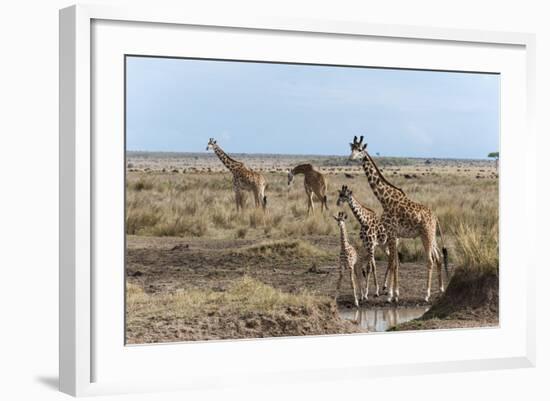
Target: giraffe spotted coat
x=315 y=182
x=244 y=178
x=348 y=257
x=402 y=218
x=372 y=234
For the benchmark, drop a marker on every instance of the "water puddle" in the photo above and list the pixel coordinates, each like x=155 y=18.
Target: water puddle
x=381 y=318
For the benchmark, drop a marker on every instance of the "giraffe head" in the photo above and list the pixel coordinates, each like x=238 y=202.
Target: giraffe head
x=290 y=177
x=358 y=150
x=340 y=218
x=344 y=195
x=211 y=143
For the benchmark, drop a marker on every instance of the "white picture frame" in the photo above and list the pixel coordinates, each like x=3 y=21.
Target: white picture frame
x=94 y=362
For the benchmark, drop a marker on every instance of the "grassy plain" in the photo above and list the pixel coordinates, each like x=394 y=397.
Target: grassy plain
x=188 y=246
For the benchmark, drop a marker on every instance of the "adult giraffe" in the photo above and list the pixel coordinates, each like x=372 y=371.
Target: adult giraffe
x=402 y=218
x=315 y=182
x=244 y=179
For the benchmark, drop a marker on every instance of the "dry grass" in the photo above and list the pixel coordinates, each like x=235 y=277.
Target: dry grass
x=244 y=295
x=246 y=309
x=477 y=248
x=202 y=205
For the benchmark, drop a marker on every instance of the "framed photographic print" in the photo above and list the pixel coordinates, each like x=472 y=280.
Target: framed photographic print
x=271 y=199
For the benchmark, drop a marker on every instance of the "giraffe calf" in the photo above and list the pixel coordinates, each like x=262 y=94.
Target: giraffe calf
x=372 y=234
x=348 y=256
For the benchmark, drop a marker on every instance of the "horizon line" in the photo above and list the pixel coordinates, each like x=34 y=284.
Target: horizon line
x=305 y=154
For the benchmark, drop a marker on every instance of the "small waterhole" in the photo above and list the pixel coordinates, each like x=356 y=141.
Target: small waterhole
x=381 y=318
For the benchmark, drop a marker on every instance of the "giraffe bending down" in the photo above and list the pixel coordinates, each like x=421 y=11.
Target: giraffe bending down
x=244 y=179
x=372 y=234
x=348 y=256
x=402 y=218
x=314 y=183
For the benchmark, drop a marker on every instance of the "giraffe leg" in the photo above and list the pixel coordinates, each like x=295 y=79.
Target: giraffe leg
x=392 y=258
x=373 y=266
x=353 y=284
x=428 y=247
x=367 y=277
x=320 y=198
x=339 y=282
x=310 y=202
x=257 y=201
x=364 y=288
x=243 y=200
x=396 y=274
x=385 y=287
x=362 y=283
x=263 y=198
x=437 y=258
x=238 y=196
x=324 y=202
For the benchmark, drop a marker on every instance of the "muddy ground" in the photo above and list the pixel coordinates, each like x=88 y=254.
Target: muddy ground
x=164 y=265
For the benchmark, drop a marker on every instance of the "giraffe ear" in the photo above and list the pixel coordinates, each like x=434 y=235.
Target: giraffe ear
x=364 y=146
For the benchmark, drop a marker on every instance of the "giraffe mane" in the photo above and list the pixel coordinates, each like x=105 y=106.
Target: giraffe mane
x=362 y=205
x=380 y=174
x=229 y=157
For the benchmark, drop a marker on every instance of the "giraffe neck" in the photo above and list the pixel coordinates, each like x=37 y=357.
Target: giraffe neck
x=385 y=192
x=302 y=169
x=227 y=161
x=343 y=235
x=358 y=210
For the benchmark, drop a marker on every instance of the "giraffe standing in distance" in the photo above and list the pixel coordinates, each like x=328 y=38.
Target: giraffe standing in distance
x=372 y=234
x=244 y=179
x=314 y=183
x=348 y=256
x=402 y=218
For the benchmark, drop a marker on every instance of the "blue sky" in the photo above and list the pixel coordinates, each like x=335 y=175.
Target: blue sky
x=177 y=104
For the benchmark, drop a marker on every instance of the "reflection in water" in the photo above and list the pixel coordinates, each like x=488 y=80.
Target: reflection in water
x=381 y=319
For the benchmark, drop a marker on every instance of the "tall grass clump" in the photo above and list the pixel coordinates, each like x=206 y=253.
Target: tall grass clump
x=476 y=249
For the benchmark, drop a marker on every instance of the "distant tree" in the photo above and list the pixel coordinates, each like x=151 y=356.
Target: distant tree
x=378 y=154
x=496 y=156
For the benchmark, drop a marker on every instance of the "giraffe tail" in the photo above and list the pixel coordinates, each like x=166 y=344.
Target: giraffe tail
x=325 y=201
x=444 y=250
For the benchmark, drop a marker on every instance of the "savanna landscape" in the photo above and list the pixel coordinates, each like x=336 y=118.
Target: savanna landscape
x=199 y=269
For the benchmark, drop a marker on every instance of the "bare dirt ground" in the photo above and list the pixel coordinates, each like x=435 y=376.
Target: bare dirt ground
x=164 y=265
